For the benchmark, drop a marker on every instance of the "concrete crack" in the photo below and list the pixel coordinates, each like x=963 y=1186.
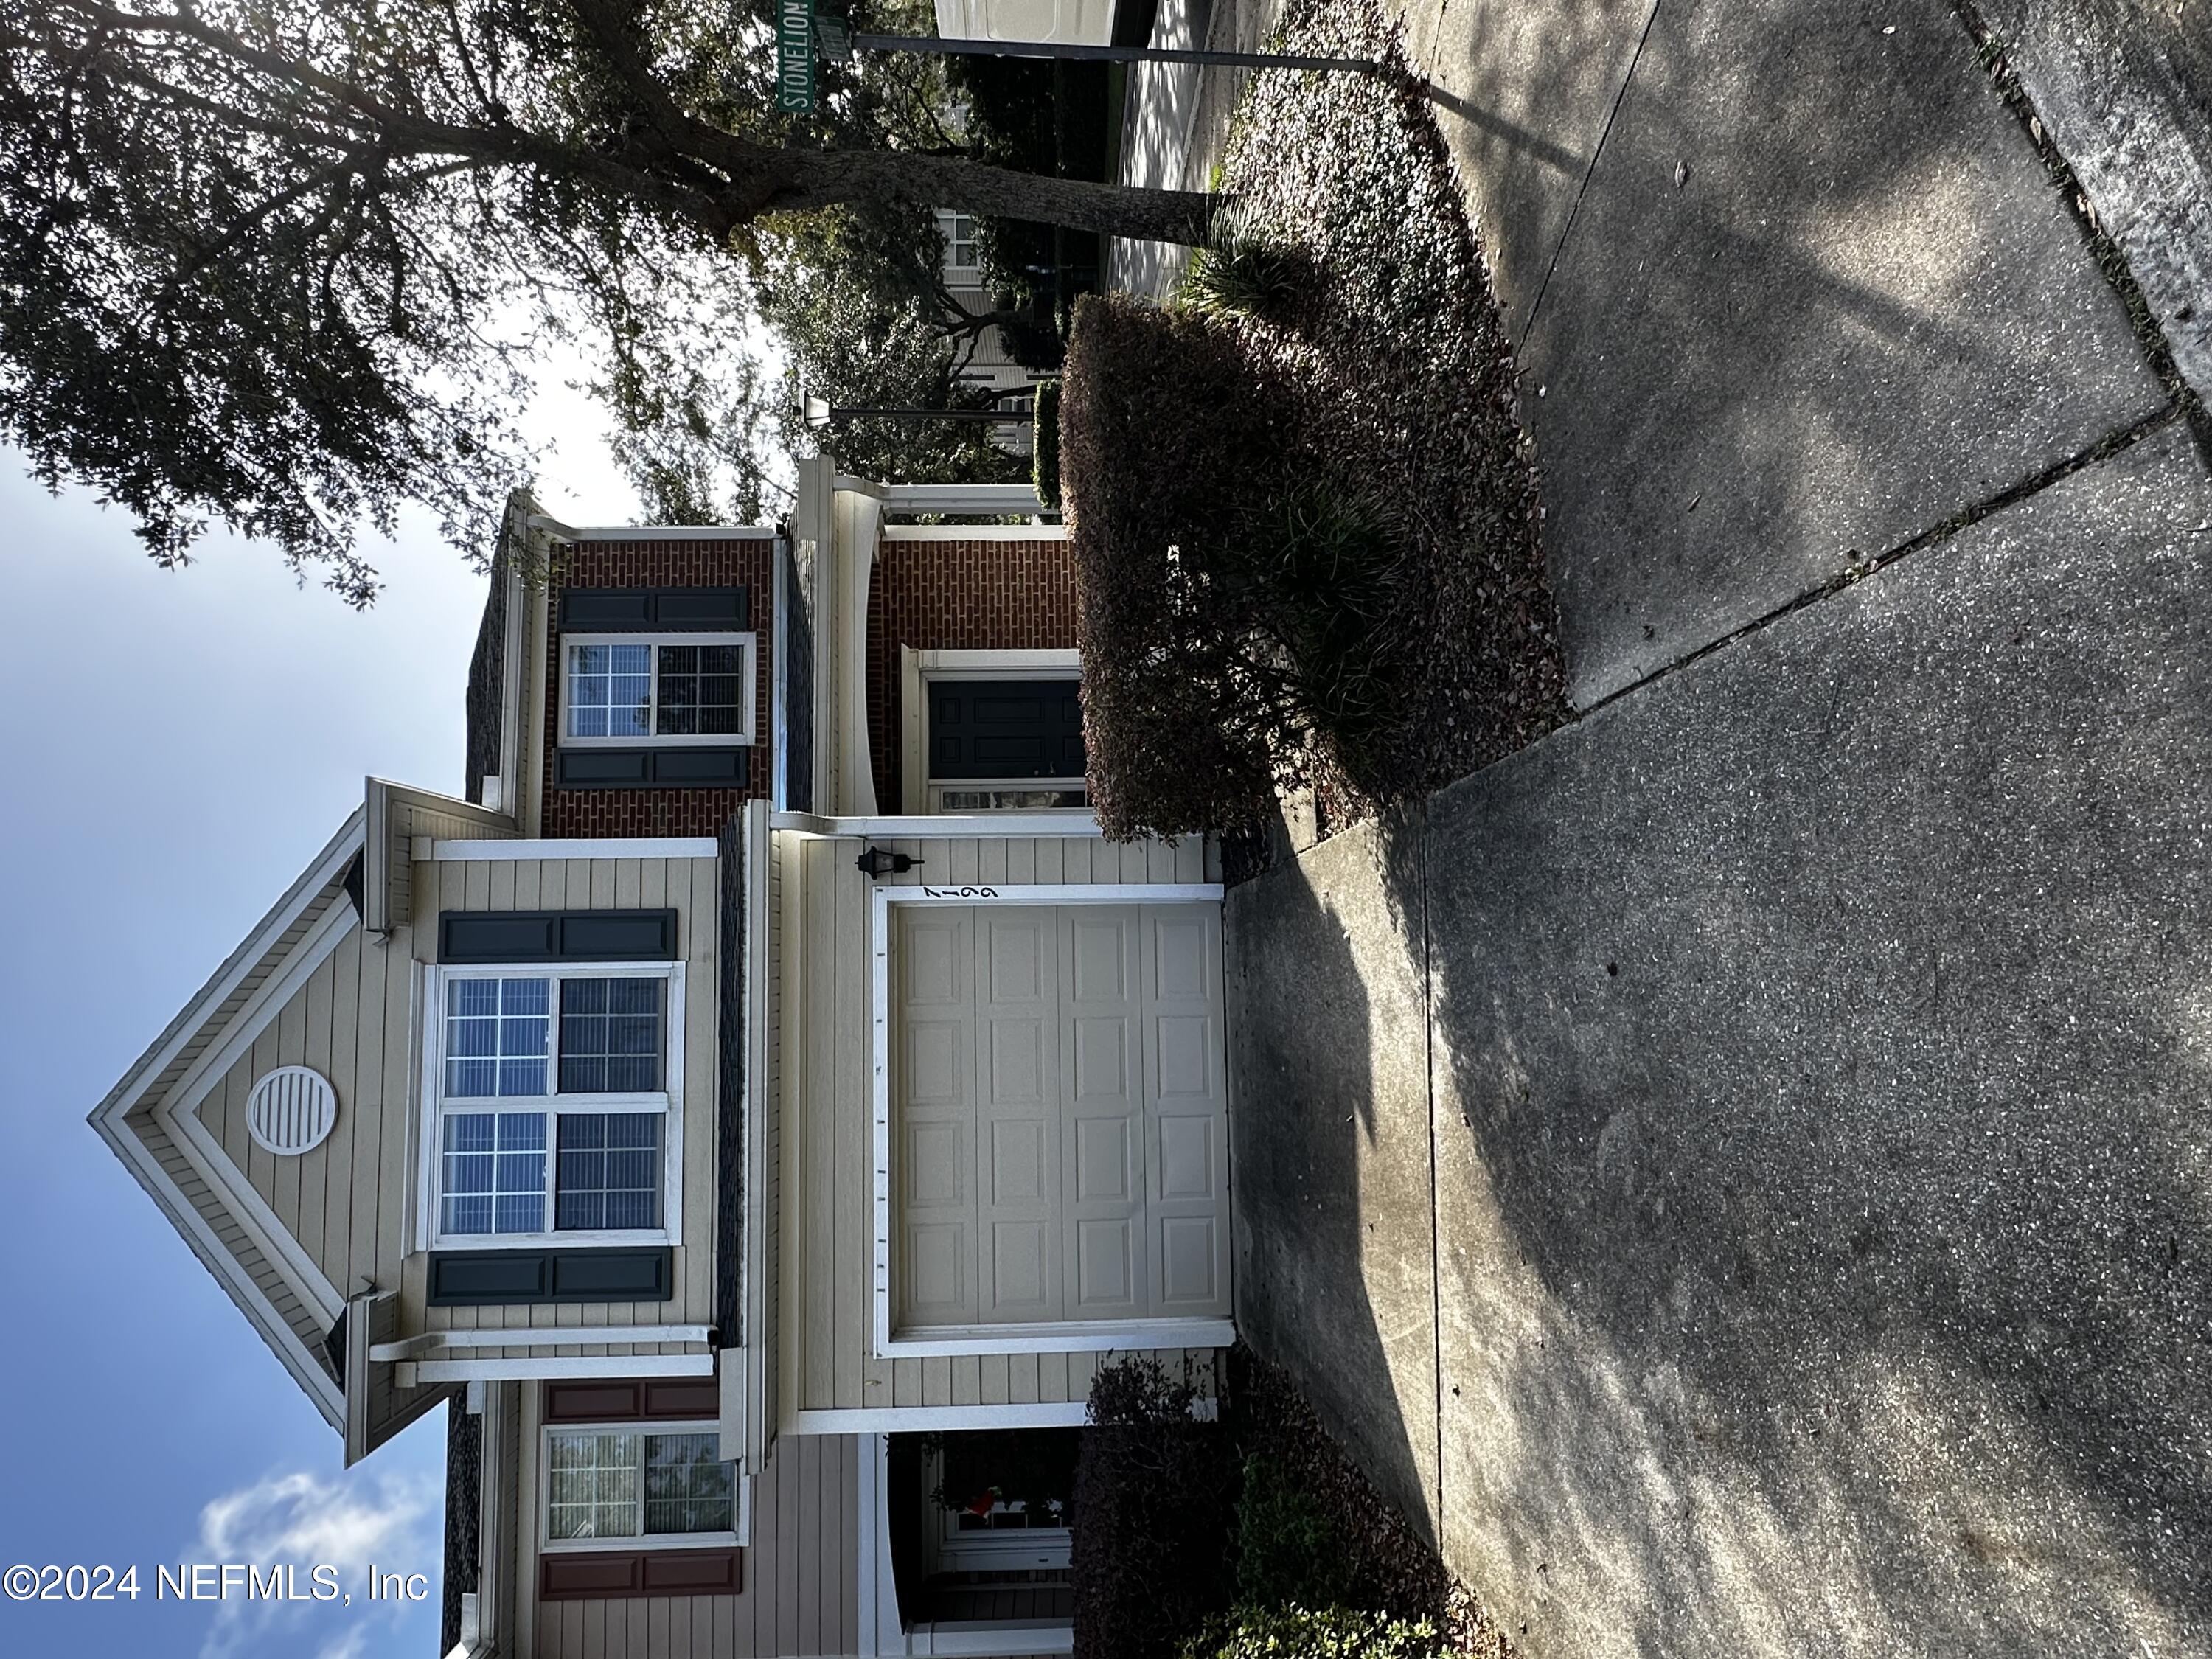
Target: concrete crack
x=2110 y=445
x=1596 y=150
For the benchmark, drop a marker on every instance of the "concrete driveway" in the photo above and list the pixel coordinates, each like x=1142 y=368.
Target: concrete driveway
x=1740 y=1172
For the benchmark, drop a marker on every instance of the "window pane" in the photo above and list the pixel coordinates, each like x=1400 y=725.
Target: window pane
x=610 y=690
x=610 y=1036
x=609 y=1171
x=687 y=1488
x=498 y=1033
x=701 y=689
x=493 y=1174
x=594 y=1489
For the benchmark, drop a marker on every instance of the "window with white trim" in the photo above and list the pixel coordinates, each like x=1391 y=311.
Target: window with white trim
x=964 y=257
x=557 y=1116
x=662 y=1486
x=641 y=689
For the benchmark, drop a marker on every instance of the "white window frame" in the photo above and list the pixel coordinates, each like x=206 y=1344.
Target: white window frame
x=948 y=231
x=918 y=671
x=668 y=1101
x=742 y=1510
x=748 y=642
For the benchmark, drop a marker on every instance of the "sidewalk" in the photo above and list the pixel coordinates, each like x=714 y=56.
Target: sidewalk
x=1737 y=1172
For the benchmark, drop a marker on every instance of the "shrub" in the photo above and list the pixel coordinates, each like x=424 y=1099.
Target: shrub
x=1162 y=426
x=1044 y=448
x=1241 y=271
x=1154 y=1492
x=1287 y=1550
x=1234 y=607
x=1299 y=1633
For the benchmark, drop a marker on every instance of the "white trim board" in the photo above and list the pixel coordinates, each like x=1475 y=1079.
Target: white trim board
x=969 y=532
x=653 y=532
x=1132 y=1334
x=941 y=826
x=682 y=846
x=1071 y=1336
x=410 y=1374
x=903 y=1419
x=425 y=1343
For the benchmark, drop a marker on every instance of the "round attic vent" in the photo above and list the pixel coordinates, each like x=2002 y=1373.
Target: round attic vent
x=291 y=1110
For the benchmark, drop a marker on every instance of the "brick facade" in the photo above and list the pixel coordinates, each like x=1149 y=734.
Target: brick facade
x=958 y=596
x=704 y=563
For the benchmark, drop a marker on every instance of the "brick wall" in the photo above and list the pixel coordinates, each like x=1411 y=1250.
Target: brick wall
x=715 y=563
x=958 y=596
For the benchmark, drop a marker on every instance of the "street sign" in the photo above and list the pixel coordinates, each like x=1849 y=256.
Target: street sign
x=794 y=57
x=833 y=40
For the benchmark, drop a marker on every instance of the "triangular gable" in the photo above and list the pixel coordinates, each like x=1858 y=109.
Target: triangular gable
x=280 y=1293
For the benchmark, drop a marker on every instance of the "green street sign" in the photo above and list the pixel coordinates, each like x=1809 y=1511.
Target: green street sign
x=794 y=56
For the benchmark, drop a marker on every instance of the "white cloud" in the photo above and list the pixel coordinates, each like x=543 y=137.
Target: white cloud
x=302 y=1520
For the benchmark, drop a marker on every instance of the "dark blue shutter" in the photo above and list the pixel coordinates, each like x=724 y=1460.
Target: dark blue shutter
x=511 y=1277
x=654 y=609
x=504 y=936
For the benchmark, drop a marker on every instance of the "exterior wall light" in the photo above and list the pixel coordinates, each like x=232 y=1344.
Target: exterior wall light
x=877 y=862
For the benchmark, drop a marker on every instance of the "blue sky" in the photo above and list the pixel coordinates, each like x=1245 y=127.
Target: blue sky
x=180 y=744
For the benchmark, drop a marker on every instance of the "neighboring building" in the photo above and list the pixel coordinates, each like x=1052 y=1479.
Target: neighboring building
x=1070 y=22
x=700 y=1168
x=990 y=365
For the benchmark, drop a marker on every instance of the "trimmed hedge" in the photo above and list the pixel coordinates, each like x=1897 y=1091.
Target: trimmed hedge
x=1044 y=443
x=1154 y=1495
x=1162 y=422
x=1243 y=616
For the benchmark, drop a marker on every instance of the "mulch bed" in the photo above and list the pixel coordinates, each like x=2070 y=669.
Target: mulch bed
x=1409 y=379
x=1398 y=1573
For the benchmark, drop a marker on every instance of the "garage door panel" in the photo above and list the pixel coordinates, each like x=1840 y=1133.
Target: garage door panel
x=1105 y=1160
x=1101 y=955
x=936 y=1164
x=1181 y=957
x=1018 y=1075
x=1187 y=1111
x=1187 y=1166
x=1019 y=1272
x=936 y=1064
x=1104 y=1053
x=1191 y=1277
x=1023 y=1272
x=1019 y=1170
x=1063 y=1106
x=936 y=1288
x=933 y=1078
x=1189 y=1069
x=1106 y=1274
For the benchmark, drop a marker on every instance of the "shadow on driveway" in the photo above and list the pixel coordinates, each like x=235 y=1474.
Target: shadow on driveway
x=1821 y=1104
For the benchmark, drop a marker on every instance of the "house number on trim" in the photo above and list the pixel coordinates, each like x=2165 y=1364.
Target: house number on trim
x=960 y=892
x=291 y=1110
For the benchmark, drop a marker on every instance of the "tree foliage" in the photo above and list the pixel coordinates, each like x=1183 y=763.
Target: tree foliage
x=285 y=263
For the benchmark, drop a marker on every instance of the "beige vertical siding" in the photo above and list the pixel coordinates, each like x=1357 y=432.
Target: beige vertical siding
x=828 y=1217
x=349 y=1022
x=800 y=1593
x=355 y=1019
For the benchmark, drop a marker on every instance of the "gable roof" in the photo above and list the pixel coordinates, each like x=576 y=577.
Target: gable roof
x=146 y=1122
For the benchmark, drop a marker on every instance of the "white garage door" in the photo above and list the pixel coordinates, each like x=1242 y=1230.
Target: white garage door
x=1060 y=1145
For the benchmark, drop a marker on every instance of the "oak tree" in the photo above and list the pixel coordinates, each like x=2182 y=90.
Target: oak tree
x=286 y=264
